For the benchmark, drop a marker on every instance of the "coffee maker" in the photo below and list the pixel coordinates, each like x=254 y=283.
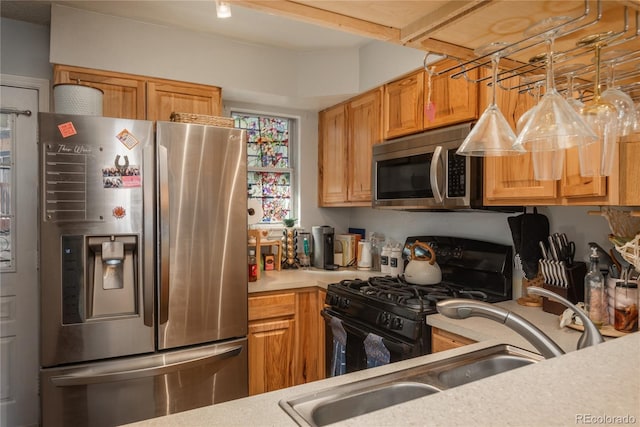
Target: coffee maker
x=323 y=236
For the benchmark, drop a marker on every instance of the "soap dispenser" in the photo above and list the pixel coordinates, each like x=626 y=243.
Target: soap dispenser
x=594 y=291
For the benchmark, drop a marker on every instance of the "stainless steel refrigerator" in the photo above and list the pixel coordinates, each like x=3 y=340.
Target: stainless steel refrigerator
x=143 y=274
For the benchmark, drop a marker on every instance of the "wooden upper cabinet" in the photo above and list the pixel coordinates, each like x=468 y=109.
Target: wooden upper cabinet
x=630 y=172
x=454 y=100
x=364 y=129
x=403 y=106
x=138 y=97
x=166 y=97
x=123 y=95
x=575 y=185
x=332 y=156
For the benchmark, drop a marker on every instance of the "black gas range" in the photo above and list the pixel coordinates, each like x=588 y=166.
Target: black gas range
x=391 y=313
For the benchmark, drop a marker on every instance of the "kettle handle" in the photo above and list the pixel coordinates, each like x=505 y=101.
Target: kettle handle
x=418 y=243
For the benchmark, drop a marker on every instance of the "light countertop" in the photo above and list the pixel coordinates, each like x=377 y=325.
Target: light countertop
x=596 y=385
x=301 y=278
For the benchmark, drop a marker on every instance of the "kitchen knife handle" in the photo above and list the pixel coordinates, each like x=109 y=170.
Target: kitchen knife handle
x=433 y=175
x=164 y=235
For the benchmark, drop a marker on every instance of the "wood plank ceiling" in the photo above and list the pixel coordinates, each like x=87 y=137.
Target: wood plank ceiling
x=456 y=28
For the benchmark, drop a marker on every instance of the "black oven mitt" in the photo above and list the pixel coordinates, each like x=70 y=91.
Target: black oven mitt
x=527 y=230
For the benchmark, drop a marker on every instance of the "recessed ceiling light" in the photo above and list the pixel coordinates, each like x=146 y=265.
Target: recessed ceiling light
x=223 y=9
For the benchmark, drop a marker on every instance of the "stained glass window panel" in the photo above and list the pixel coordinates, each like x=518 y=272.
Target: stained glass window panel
x=269 y=168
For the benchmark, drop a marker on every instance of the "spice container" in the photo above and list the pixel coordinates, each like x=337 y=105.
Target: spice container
x=396 y=263
x=253 y=266
x=626 y=306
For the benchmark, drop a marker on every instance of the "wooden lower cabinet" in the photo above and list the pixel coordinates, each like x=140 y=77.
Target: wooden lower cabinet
x=286 y=339
x=442 y=340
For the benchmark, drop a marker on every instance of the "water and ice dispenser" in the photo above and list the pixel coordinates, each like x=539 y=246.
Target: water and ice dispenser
x=109 y=266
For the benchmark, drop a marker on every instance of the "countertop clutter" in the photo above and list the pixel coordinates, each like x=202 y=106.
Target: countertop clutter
x=596 y=385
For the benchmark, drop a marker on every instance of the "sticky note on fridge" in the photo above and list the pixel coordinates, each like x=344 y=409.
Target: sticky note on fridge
x=67 y=129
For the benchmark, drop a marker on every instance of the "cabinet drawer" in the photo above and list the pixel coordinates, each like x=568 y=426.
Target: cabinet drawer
x=270 y=306
x=443 y=340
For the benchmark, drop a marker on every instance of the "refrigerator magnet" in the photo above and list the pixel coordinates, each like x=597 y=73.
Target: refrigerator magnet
x=67 y=129
x=119 y=212
x=127 y=139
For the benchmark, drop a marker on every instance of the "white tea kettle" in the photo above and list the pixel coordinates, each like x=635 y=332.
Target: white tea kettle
x=422 y=270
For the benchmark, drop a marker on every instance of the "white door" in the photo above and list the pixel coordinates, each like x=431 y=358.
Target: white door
x=19 y=308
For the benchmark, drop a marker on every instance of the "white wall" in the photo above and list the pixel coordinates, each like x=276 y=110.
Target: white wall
x=25 y=49
x=247 y=73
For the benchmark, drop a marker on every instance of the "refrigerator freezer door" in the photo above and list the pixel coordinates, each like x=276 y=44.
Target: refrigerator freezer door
x=96 y=238
x=137 y=388
x=202 y=191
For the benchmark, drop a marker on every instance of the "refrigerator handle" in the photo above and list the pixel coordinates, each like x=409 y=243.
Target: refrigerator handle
x=95 y=376
x=149 y=201
x=163 y=194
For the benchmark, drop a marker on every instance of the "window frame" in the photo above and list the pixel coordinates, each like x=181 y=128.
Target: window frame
x=294 y=141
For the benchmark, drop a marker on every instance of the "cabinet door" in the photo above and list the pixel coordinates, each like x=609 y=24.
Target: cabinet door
x=270 y=355
x=629 y=170
x=364 y=118
x=332 y=156
x=403 y=105
x=454 y=100
x=573 y=185
x=309 y=341
x=509 y=180
x=166 y=97
x=124 y=95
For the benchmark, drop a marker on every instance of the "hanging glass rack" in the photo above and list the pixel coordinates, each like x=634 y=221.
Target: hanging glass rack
x=621 y=31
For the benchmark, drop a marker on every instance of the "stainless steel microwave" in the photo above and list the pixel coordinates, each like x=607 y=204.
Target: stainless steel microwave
x=423 y=171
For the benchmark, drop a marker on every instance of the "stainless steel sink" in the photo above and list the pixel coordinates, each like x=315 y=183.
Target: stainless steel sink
x=362 y=397
x=467 y=372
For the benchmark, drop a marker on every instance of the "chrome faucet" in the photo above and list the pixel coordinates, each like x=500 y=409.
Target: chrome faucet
x=458 y=308
x=591 y=335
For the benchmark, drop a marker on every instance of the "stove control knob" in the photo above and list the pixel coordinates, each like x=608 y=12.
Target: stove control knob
x=384 y=319
x=397 y=323
x=331 y=299
x=344 y=302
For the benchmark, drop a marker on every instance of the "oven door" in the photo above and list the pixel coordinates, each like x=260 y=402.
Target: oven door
x=365 y=346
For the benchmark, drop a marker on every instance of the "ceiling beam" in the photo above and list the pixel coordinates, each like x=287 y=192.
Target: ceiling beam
x=423 y=27
x=323 y=18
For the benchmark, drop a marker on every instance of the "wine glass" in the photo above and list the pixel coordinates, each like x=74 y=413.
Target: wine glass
x=492 y=135
x=537 y=81
x=554 y=124
x=602 y=118
x=569 y=70
x=547 y=165
x=623 y=102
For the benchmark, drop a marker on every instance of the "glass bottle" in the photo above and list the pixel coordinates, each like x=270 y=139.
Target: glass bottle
x=594 y=291
x=253 y=266
x=626 y=306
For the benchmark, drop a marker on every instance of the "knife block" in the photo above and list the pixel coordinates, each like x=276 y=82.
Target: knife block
x=574 y=291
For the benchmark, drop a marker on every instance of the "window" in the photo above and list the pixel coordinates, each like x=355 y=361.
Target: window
x=269 y=164
x=7 y=179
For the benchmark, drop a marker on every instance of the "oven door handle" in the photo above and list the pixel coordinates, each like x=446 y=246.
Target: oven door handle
x=433 y=174
x=391 y=345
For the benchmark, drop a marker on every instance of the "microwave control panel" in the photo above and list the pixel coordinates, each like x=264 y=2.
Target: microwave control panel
x=456 y=174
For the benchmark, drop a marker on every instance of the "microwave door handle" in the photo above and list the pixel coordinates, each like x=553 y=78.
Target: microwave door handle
x=435 y=187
